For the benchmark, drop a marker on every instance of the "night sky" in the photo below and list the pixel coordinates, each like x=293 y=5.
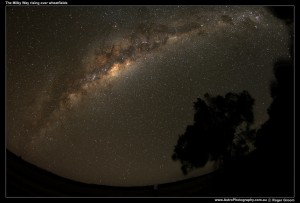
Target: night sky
x=100 y=94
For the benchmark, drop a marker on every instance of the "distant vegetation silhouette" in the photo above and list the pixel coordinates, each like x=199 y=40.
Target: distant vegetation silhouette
x=221 y=130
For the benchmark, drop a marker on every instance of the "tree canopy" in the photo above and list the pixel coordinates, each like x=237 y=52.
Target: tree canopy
x=221 y=130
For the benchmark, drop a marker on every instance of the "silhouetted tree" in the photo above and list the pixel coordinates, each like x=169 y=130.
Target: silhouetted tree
x=220 y=131
x=275 y=139
x=279 y=128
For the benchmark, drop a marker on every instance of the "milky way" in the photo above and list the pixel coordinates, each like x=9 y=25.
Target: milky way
x=107 y=90
x=146 y=38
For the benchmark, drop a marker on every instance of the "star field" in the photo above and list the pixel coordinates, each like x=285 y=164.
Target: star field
x=99 y=94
